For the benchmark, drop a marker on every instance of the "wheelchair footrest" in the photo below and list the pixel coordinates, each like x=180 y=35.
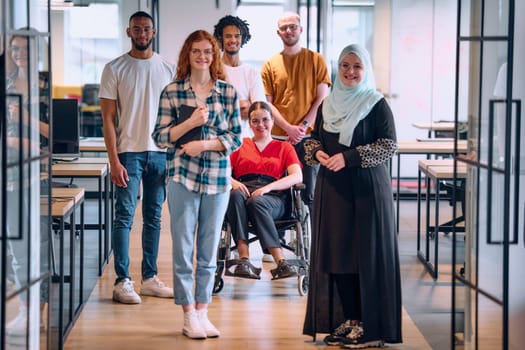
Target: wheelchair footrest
x=302 y=265
x=243 y=269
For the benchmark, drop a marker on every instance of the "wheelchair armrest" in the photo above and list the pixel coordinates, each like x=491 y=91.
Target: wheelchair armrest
x=299 y=187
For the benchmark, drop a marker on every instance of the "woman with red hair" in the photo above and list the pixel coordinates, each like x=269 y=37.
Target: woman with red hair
x=199 y=124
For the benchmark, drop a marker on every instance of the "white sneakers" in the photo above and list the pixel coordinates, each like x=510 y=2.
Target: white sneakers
x=196 y=322
x=124 y=293
x=192 y=326
x=17 y=327
x=209 y=328
x=198 y=326
x=155 y=288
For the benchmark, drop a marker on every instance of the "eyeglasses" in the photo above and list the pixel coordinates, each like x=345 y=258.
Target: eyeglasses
x=197 y=52
x=292 y=27
x=264 y=120
x=18 y=48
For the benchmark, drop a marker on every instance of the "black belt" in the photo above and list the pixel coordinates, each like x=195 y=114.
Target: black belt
x=257 y=178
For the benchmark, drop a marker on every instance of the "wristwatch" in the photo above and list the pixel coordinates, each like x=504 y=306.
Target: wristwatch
x=305 y=123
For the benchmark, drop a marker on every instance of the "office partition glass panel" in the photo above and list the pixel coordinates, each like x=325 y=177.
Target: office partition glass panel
x=470 y=14
x=488 y=304
x=25 y=161
x=496 y=18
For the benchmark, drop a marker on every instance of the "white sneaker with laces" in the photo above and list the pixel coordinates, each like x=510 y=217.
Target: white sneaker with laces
x=123 y=292
x=154 y=287
x=192 y=326
x=209 y=328
x=17 y=327
x=267 y=258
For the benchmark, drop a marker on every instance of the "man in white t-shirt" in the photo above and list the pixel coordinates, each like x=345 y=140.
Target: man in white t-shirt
x=129 y=98
x=232 y=33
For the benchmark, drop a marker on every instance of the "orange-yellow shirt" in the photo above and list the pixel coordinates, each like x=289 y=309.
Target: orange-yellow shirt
x=292 y=82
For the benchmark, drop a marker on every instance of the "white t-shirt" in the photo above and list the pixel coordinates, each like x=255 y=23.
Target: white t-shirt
x=136 y=85
x=248 y=83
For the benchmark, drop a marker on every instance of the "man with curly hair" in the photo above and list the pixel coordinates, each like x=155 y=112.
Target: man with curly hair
x=232 y=33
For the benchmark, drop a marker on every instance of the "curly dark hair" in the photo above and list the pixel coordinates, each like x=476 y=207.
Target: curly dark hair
x=232 y=21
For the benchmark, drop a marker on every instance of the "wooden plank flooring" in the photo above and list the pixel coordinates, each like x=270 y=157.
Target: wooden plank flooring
x=250 y=314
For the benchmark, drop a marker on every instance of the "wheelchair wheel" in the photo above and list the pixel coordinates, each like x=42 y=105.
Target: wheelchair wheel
x=302 y=284
x=218 y=285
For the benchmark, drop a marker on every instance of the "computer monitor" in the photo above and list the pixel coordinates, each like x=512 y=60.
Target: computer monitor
x=66 y=129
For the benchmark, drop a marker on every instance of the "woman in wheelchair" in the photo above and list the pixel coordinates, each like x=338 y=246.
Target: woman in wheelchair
x=258 y=169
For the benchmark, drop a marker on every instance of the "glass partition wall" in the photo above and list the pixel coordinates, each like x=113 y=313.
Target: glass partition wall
x=488 y=303
x=25 y=156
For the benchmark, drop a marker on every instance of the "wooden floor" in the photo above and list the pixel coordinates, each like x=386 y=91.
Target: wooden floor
x=254 y=315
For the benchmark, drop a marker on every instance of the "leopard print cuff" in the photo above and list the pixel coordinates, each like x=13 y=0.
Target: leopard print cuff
x=376 y=153
x=310 y=147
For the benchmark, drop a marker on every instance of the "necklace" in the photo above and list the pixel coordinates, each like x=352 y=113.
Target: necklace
x=200 y=101
x=201 y=92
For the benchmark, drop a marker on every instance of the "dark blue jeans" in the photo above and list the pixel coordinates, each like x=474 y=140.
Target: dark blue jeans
x=150 y=168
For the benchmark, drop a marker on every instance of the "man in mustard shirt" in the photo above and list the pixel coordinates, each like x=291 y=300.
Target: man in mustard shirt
x=296 y=81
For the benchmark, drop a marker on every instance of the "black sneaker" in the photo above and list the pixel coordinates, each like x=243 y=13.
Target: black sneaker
x=364 y=345
x=354 y=339
x=337 y=336
x=283 y=270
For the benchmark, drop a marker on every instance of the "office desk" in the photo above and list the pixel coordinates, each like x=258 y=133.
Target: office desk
x=423 y=147
x=92 y=144
x=435 y=170
x=64 y=203
x=100 y=172
x=101 y=160
x=437 y=126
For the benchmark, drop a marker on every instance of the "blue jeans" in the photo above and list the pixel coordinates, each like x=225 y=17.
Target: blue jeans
x=150 y=168
x=193 y=214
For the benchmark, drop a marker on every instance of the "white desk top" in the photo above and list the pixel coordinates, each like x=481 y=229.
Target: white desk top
x=437 y=126
x=92 y=144
x=430 y=147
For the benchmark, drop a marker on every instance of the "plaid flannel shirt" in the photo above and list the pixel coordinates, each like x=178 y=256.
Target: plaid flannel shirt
x=209 y=172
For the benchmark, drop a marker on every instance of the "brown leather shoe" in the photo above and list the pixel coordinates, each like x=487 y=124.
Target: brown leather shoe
x=283 y=270
x=245 y=269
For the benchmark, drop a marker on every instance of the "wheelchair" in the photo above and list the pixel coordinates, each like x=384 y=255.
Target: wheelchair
x=296 y=220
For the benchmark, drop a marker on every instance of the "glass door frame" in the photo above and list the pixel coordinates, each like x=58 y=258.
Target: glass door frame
x=29 y=278
x=467 y=284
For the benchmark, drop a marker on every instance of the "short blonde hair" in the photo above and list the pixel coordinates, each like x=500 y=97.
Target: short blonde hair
x=289 y=14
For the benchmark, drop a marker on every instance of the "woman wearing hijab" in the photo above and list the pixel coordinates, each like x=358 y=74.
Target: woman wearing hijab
x=355 y=285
